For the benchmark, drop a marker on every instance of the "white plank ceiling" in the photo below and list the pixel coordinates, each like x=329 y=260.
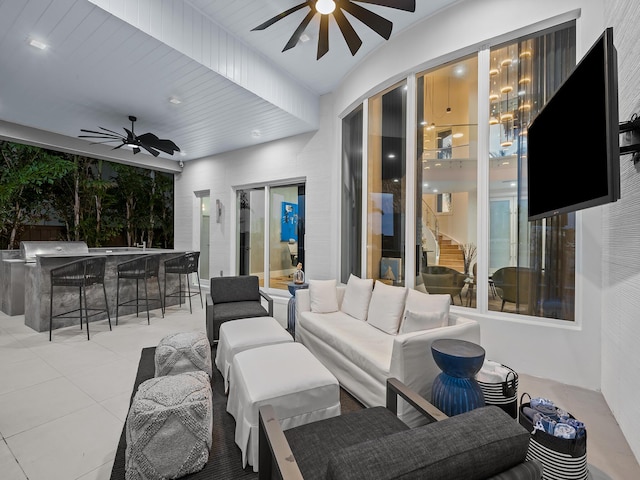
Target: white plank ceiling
x=108 y=59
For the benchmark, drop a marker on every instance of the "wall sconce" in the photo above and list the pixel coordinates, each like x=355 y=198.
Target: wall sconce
x=218 y=210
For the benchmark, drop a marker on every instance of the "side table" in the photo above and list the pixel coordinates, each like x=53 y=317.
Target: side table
x=455 y=390
x=291 y=306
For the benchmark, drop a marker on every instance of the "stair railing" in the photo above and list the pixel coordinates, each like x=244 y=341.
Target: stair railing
x=430 y=224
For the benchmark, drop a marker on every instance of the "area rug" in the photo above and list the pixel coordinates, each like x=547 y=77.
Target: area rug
x=225 y=460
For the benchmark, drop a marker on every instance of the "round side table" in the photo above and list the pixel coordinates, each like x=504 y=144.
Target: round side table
x=455 y=390
x=291 y=306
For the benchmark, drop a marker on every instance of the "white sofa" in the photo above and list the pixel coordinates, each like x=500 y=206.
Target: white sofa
x=362 y=356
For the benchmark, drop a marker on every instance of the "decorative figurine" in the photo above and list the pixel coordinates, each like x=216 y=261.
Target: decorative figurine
x=298 y=275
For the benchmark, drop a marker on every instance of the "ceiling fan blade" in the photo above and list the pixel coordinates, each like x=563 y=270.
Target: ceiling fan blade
x=280 y=16
x=349 y=34
x=119 y=146
x=136 y=150
x=323 y=36
x=293 y=41
x=164 y=145
x=102 y=134
x=375 y=22
x=151 y=150
x=406 y=5
x=111 y=131
x=131 y=138
x=111 y=139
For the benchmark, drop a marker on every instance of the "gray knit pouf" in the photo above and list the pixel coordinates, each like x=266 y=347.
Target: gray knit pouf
x=183 y=352
x=169 y=427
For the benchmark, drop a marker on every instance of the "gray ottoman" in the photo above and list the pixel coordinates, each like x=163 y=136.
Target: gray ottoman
x=169 y=427
x=183 y=352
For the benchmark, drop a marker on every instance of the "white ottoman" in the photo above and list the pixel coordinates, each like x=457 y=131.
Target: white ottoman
x=286 y=376
x=239 y=335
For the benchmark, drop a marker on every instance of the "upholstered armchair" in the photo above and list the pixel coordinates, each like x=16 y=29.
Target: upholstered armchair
x=439 y=279
x=513 y=285
x=373 y=443
x=232 y=298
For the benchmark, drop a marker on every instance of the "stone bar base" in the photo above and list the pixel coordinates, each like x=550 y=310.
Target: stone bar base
x=38 y=288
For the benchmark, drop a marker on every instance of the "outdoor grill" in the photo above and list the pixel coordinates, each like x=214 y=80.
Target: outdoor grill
x=29 y=250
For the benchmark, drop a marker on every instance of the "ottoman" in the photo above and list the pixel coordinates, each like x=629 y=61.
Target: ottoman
x=286 y=376
x=243 y=334
x=183 y=352
x=169 y=427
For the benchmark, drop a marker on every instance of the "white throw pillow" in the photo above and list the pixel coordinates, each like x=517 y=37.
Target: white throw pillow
x=357 y=296
x=419 y=302
x=322 y=295
x=416 y=321
x=386 y=307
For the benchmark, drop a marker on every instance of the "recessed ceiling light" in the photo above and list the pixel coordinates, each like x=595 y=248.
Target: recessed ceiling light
x=256 y=133
x=175 y=100
x=391 y=155
x=435 y=190
x=425 y=184
x=37 y=44
x=183 y=153
x=438 y=164
x=458 y=135
x=304 y=38
x=395 y=180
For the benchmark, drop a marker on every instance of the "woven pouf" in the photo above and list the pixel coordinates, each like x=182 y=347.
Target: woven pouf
x=183 y=352
x=169 y=427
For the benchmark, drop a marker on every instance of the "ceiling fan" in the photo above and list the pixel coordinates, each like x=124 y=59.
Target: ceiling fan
x=150 y=142
x=378 y=24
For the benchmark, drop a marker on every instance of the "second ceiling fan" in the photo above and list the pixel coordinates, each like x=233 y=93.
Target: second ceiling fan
x=324 y=8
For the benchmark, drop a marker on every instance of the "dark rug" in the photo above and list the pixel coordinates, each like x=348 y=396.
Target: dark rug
x=225 y=459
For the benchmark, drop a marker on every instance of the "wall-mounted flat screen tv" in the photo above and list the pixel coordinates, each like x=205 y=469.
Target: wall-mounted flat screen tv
x=573 y=146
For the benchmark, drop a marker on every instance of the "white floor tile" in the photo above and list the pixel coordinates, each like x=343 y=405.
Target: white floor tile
x=106 y=381
x=119 y=405
x=26 y=373
x=9 y=466
x=29 y=407
x=68 y=447
x=103 y=472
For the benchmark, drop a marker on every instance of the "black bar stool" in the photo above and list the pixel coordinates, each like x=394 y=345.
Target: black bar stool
x=80 y=274
x=140 y=268
x=183 y=265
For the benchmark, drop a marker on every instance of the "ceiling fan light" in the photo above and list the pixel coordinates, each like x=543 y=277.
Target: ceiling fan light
x=325 y=7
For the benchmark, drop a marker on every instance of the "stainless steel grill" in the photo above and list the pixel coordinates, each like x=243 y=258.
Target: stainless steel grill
x=29 y=250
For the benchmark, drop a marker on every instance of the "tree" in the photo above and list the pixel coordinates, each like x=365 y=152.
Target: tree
x=26 y=175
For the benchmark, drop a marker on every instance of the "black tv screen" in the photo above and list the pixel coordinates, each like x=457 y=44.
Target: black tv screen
x=573 y=148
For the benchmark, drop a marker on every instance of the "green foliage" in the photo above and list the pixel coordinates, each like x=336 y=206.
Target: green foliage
x=96 y=201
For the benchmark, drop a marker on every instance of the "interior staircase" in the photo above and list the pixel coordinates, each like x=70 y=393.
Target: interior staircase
x=450 y=254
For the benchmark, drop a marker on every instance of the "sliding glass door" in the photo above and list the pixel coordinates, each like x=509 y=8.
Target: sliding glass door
x=270 y=233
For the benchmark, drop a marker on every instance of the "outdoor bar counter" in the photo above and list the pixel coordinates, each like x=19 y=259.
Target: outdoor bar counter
x=38 y=286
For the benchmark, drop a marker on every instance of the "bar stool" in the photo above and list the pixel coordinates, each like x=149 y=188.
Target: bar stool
x=140 y=268
x=81 y=274
x=183 y=265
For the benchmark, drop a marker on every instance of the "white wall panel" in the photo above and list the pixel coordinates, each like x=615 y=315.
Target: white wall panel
x=621 y=244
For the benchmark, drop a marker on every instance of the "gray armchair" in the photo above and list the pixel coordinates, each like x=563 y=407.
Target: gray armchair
x=373 y=443
x=443 y=280
x=232 y=298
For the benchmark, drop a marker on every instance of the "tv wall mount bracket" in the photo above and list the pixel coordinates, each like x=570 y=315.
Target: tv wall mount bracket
x=630 y=138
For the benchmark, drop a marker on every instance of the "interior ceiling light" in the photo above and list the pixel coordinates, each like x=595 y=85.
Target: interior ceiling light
x=175 y=101
x=423 y=123
x=505 y=144
x=494 y=71
x=325 y=8
x=493 y=121
x=506 y=116
x=432 y=126
x=458 y=135
x=391 y=155
x=37 y=44
x=493 y=97
x=256 y=133
x=506 y=62
x=506 y=89
x=304 y=38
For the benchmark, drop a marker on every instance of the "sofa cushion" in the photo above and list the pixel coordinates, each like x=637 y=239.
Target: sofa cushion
x=474 y=445
x=234 y=310
x=312 y=443
x=386 y=307
x=322 y=294
x=235 y=289
x=417 y=321
x=357 y=296
x=366 y=347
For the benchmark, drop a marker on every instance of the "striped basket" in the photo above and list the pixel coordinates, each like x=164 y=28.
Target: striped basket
x=503 y=394
x=562 y=459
